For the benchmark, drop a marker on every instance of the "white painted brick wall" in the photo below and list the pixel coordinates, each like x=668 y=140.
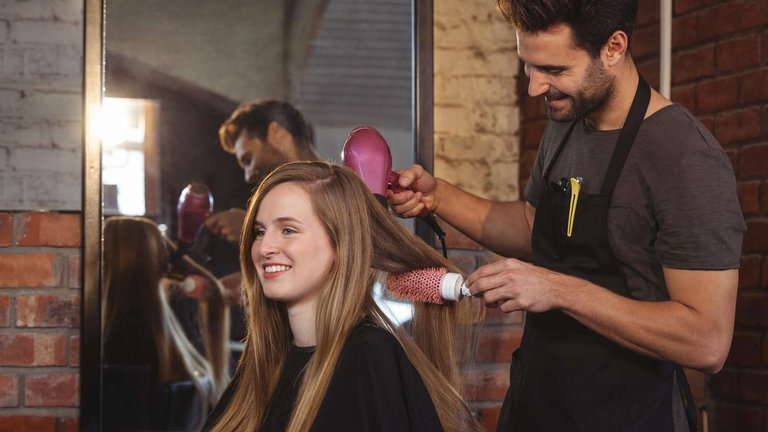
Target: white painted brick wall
x=40 y=104
x=476 y=113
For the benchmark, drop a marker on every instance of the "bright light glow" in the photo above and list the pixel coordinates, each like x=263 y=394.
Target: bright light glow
x=121 y=121
x=397 y=311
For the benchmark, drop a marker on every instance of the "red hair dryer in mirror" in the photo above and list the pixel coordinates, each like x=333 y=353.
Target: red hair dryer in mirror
x=367 y=154
x=195 y=205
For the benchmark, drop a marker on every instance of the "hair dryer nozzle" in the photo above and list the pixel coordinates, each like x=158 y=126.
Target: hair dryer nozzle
x=195 y=204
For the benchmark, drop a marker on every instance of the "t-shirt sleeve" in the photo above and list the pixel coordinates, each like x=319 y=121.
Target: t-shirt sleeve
x=376 y=388
x=700 y=221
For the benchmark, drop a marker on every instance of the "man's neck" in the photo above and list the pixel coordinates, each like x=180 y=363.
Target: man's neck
x=614 y=112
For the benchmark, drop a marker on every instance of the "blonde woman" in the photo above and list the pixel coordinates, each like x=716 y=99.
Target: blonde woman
x=141 y=328
x=319 y=354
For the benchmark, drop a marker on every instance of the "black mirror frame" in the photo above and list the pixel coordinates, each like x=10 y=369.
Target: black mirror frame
x=93 y=90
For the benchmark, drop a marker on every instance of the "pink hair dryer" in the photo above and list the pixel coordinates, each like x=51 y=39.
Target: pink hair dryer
x=195 y=205
x=367 y=154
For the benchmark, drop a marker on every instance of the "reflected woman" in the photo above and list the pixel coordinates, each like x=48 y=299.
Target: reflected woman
x=320 y=355
x=148 y=346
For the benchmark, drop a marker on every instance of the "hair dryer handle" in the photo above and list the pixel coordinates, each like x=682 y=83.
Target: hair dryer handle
x=394 y=186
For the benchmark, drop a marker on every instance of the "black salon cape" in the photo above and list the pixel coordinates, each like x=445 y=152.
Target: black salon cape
x=373 y=388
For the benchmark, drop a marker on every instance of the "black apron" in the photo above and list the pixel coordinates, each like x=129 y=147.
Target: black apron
x=564 y=376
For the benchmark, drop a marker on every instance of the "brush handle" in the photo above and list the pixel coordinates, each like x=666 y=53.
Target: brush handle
x=453 y=288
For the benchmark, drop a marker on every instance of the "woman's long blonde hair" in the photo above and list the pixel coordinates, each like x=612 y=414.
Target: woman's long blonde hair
x=368 y=242
x=136 y=259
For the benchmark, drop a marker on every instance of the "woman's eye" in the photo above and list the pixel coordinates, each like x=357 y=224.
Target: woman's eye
x=259 y=232
x=289 y=231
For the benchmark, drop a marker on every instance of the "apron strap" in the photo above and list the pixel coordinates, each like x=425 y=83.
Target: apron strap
x=560 y=147
x=627 y=136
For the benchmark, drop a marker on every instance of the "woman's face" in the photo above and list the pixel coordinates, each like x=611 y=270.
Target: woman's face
x=291 y=251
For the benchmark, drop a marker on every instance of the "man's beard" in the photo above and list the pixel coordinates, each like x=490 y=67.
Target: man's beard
x=596 y=90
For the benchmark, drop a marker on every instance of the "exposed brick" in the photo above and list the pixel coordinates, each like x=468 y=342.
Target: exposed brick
x=686 y=96
x=752 y=158
x=682 y=6
x=697 y=381
x=532 y=108
x=735 y=418
x=27 y=424
x=764 y=198
x=49 y=229
x=28 y=270
x=647 y=12
x=750 y=272
x=9 y=390
x=29 y=349
x=708 y=122
x=754 y=86
x=645 y=43
x=719 y=20
x=683 y=31
x=488 y=382
x=5 y=307
x=756 y=238
x=753 y=386
x=489 y=416
x=750 y=309
x=754 y=13
x=531 y=135
x=749 y=197
x=497 y=345
x=74 y=351
x=733 y=157
x=738 y=125
x=693 y=64
x=745 y=349
x=454 y=239
x=47 y=311
x=73 y=271
x=717 y=94
x=52 y=389
x=649 y=69
x=6 y=229
x=69 y=424
x=738 y=54
x=725 y=384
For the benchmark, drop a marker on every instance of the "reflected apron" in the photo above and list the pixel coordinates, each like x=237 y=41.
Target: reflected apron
x=564 y=376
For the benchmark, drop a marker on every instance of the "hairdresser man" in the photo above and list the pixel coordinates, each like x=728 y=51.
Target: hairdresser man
x=262 y=136
x=627 y=243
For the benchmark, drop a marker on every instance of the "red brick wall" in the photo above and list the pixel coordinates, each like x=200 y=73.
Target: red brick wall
x=39 y=321
x=720 y=72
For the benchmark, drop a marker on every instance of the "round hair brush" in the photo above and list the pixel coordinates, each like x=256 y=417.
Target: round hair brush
x=430 y=285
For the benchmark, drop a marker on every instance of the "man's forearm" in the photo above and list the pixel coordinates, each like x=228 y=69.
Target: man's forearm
x=502 y=227
x=690 y=335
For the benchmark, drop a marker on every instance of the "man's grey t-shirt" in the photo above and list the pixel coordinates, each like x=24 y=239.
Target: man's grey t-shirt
x=675 y=203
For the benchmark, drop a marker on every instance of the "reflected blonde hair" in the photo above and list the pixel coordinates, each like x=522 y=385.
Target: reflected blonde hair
x=136 y=260
x=368 y=243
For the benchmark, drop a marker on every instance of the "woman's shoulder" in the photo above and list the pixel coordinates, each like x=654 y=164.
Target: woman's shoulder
x=368 y=337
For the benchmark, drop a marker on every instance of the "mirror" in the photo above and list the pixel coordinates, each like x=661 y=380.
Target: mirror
x=166 y=75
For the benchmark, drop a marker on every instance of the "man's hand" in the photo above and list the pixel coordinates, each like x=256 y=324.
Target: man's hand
x=513 y=285
x=227 y=224
x=421 y=192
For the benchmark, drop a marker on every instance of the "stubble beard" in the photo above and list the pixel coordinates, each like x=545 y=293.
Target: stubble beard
x=597 y=88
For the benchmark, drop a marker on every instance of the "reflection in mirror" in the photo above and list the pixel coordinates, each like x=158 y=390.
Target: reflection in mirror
x=174 y=72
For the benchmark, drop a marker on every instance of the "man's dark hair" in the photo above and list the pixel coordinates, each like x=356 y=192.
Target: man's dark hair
x=254 y=118
x=592 y=21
